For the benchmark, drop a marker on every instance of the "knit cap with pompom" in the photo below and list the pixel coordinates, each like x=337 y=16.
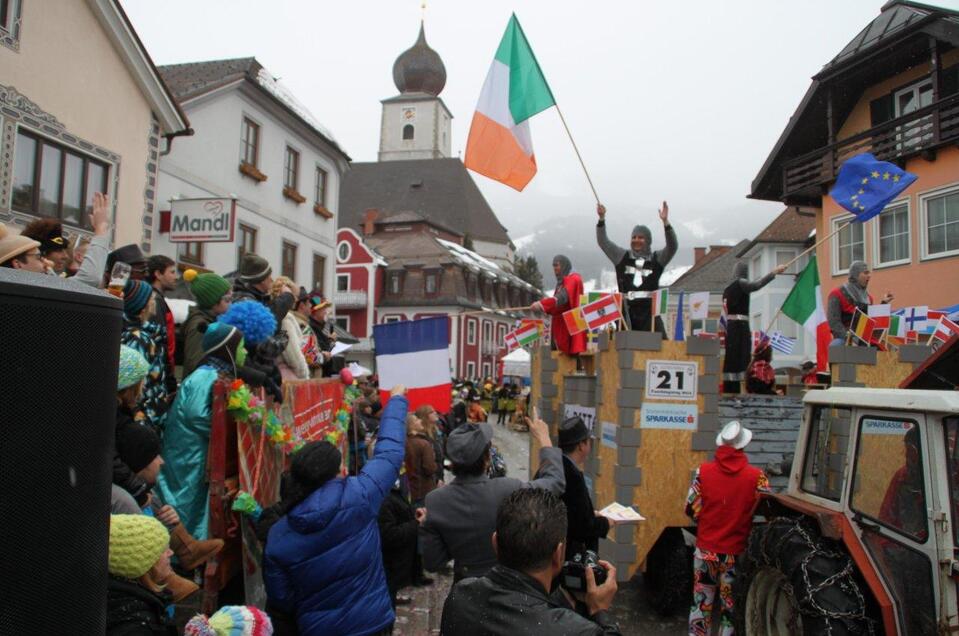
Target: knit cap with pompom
x=136 y=543
x=208 y=288
x=232 y=620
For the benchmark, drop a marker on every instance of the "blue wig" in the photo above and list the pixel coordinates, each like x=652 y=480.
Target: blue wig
x=252 y=318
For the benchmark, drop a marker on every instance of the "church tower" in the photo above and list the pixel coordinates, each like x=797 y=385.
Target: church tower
x=416 y=123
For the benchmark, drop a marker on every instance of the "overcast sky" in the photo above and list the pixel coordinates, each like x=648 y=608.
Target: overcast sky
x=667 y=100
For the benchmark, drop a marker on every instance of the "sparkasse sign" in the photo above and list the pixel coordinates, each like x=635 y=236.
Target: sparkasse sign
x=202 y=220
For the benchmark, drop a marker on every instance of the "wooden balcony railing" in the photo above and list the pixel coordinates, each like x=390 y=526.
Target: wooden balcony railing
x=920 y=131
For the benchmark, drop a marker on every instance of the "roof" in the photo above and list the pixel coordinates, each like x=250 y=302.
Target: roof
x=194 y=79
x=439 y=190
x=479 y=264
x=118 y=28
x=713 y=272
x=892 y=42
x=896 y=399
x=789 y=227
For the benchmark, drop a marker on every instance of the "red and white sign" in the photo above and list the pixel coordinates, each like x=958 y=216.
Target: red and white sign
x=313 y=406
x=202 y=220
x=602 y=312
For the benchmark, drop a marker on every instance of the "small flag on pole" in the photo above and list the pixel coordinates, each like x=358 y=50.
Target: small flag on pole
x=601 y=312
x=880 y=315
x=944 y=330
x=915 y=317
x=660 y=300
x=698 y=305
x=679 y=334
x=575 y=321
x=782 y=344
x=527 y=333
x=862 y=326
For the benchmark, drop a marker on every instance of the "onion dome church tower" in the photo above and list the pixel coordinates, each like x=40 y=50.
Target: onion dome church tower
x=416 y=123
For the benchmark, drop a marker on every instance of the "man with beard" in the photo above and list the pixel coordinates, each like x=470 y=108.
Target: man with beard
x=738 y=335
x=638 y=269
x=569 y=287
x=844 y=300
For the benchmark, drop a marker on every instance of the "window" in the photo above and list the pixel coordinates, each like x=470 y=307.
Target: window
x=848 y=245
x=783 y=257
x=826 y=448
x=487 y=332
x=501 y=335
x=51 y=180
x=389 y=319
x=319 y=193
x=471 y=331
x=395 y=283
x=342 y=282
x=756 y=266
x=909 y=100
x=249 y=142
x=486 y=370
x=343 y=251
x=290 y=168
x=892 y=240
x=407 y=132
x=951 y=432
x=888 y=486
x=246 y=244
x=470 y=370
x=288 y=260
x=343 y=322
x=941 y=232
x=191 y=253
x=430 y=283
x=319 y=271
x=10 y=11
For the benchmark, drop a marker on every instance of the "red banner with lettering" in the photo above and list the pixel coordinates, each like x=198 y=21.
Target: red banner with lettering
x=313 y=405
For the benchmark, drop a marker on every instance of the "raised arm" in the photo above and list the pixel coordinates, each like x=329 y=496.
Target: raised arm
x=750 y=286
x=550 y=475
x=379 y=473
x=95 y=260
x=612 y=251
x=666 y=254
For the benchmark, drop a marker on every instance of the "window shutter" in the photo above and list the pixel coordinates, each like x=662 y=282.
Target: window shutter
x=882 y=109
x=950 y=81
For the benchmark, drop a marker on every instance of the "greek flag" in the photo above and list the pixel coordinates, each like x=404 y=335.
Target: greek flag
x=782 y=344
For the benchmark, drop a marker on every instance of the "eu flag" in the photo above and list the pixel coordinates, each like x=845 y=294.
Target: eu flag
x=865 y=185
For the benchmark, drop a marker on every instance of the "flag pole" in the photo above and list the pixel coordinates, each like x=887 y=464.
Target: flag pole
x=819 y=242
x=576 y=149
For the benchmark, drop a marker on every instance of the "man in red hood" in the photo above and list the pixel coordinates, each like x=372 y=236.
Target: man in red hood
x=721 y=500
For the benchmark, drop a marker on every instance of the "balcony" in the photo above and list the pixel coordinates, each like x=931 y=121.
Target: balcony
x=350 y=299
x=919 y=132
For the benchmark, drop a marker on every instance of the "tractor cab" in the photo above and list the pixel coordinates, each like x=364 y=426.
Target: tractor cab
x=865 y=538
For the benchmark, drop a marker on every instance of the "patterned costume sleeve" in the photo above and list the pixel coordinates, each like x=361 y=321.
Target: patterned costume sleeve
x=762 y=484
x=694 y=500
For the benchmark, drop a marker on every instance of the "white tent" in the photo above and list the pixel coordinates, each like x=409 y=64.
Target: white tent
x=517 y=363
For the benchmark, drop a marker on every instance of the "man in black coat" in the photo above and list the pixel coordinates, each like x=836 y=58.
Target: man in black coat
x=584 y=525
x=398 y=531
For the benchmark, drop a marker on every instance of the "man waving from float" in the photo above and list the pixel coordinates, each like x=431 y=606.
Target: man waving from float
x=638 y=269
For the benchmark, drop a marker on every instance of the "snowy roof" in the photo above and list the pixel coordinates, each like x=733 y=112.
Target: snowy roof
x=480 y=264
x=282 y=93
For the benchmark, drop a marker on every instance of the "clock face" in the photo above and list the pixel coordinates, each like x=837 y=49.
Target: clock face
x=409 y=114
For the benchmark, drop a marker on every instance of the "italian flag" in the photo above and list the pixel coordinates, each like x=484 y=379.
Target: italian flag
x=660 y=302
x=804 y=305
x=499 y=145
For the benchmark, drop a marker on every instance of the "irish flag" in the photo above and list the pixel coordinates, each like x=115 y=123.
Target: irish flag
x=499 y=145
x=415 y=353
x=804 y=305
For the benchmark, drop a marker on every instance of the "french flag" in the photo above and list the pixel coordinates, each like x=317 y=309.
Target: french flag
x=416 y=354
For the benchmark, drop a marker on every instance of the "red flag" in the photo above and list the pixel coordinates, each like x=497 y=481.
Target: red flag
x=601 y=312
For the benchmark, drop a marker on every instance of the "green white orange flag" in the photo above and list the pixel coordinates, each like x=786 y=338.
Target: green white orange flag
x=660 y=302
x=804 y=305
x=499 y=144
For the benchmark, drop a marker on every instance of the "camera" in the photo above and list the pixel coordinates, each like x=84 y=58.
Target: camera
x=574 y=571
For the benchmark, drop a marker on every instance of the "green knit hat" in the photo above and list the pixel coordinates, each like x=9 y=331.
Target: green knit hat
x=133 y=367
x=136 y=543
x=207 y=288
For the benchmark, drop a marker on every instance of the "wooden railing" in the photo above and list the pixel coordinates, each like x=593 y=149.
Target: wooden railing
x=920 y=131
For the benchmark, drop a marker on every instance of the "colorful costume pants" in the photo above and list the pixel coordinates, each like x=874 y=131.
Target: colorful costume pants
x=709 y=571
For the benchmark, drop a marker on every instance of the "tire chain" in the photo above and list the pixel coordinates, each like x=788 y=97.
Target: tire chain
x=844 y=578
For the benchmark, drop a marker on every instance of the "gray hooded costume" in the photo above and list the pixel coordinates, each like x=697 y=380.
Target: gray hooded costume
x=637 y=273
x=738 y=334
x=852 y=295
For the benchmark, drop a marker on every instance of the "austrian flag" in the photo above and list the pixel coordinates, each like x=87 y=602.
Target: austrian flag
x=602 y=312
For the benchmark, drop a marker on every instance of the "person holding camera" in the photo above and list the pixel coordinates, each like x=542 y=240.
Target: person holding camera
x=585 y=526
x=459 y=518
x=515 y=597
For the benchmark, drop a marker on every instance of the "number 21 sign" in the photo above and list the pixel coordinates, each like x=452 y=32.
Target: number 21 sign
x=672 y=380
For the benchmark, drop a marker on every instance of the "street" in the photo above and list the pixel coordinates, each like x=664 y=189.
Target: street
x=422 y=616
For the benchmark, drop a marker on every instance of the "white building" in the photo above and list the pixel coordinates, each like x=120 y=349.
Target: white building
x=256 y=143
x=789 y=234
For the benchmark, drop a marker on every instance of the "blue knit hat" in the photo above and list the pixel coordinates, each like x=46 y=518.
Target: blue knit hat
x=136 y=295
x=217 y=334
x=252 y=318
x=133 y=367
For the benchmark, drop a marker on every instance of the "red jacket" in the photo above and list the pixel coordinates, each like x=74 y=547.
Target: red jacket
x=728 y=488
x=566 y=343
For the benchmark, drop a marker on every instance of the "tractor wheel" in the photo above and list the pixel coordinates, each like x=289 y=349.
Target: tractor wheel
x=792 y=580
x=668 y=580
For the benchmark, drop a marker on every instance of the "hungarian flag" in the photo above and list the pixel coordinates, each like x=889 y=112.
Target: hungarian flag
x=415 y=353
x=527 y=333
x=944 y=330
x=575 y=320
x=881 y=315
x=804 y=305
x=862 y=326
x=660 y=300
x=601 y=312
x=499 y=144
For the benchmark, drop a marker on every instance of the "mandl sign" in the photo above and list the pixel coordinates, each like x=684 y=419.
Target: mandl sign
x=202 y=220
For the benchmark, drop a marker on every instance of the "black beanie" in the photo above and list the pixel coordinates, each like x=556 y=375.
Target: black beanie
x=137 y=445
x=315 y=464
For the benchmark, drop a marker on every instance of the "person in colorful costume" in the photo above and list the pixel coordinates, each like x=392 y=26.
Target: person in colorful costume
x=638 y=269
x=721 y=501
x=182 y=482
x=844 y=300
x=569 y=287
x=143 y=334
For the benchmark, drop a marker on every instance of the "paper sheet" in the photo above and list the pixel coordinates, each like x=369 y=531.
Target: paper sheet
x=621 y=514
x=339 y=348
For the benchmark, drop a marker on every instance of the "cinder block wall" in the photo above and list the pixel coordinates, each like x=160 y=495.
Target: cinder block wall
x=869 y=367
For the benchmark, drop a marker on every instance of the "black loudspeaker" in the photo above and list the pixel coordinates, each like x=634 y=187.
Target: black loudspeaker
x=59 y=355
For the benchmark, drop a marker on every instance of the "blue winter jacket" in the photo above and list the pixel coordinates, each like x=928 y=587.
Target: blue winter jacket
x=323 y=561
